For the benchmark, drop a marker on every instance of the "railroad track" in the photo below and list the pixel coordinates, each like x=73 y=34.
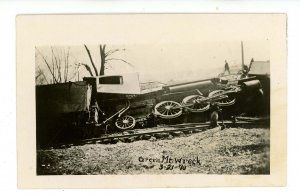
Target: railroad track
x=166 y=131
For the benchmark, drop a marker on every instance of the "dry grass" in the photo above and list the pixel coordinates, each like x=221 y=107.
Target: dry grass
x=230 y=151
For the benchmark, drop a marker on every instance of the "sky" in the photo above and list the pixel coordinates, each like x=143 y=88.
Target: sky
x=163 y=47
x=162 y=62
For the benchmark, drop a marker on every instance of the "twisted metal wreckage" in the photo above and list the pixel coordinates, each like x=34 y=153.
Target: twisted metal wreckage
x=103 y=104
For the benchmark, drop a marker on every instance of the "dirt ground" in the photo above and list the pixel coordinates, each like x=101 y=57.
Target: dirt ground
x=214 y=151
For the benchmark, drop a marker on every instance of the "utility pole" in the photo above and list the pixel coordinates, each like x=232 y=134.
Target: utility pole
x=242 y=53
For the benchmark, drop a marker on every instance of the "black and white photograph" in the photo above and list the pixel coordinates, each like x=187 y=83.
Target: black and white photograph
x=154 y=95
x=109 y=109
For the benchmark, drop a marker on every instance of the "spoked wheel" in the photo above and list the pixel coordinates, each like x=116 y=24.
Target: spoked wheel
x=227 y=101
x=192 y=103
x=168 y=109
x=125 y=122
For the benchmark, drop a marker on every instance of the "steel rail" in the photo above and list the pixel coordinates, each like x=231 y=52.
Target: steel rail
x=146 y=133
x=183 y=128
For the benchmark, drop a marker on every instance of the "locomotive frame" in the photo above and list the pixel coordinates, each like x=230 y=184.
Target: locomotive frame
x=81 y=110
x=127 y=107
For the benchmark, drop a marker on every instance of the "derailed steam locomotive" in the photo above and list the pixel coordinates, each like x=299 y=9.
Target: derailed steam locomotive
x=109 y=103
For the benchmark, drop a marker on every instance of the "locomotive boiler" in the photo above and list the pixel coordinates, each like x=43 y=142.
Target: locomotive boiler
x=110 y=103
x=121 y=102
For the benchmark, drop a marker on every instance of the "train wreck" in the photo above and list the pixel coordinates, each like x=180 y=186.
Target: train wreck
x=116 y=104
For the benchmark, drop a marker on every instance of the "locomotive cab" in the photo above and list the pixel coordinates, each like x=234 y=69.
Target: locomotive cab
x=116 y=84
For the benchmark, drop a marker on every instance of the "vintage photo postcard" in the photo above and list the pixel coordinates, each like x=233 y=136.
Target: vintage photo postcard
x=151 y=100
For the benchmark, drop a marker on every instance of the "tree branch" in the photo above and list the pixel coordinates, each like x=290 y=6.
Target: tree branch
x=67 y=65
x=110 y=52
x=42 y=73
x=119 y=60
x=56 y=64
x=87 y=68
x=45 y=60
x=92 y=62
x=65 y=61
x=103 y=57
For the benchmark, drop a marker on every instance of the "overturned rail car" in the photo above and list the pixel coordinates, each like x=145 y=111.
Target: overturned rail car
x=97 y=105
x=121 y=101
x=62 y=110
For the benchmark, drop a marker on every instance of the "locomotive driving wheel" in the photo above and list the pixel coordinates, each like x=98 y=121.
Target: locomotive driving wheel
x=193 y=103
x=125 y=122
x=227 y=101
x=168 y=109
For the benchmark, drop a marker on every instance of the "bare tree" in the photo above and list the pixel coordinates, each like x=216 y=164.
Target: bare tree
x=40 y=77
x=66 y=70
x=57 y=65
x=87 y=67
x=105 y=57
x=91 y=59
